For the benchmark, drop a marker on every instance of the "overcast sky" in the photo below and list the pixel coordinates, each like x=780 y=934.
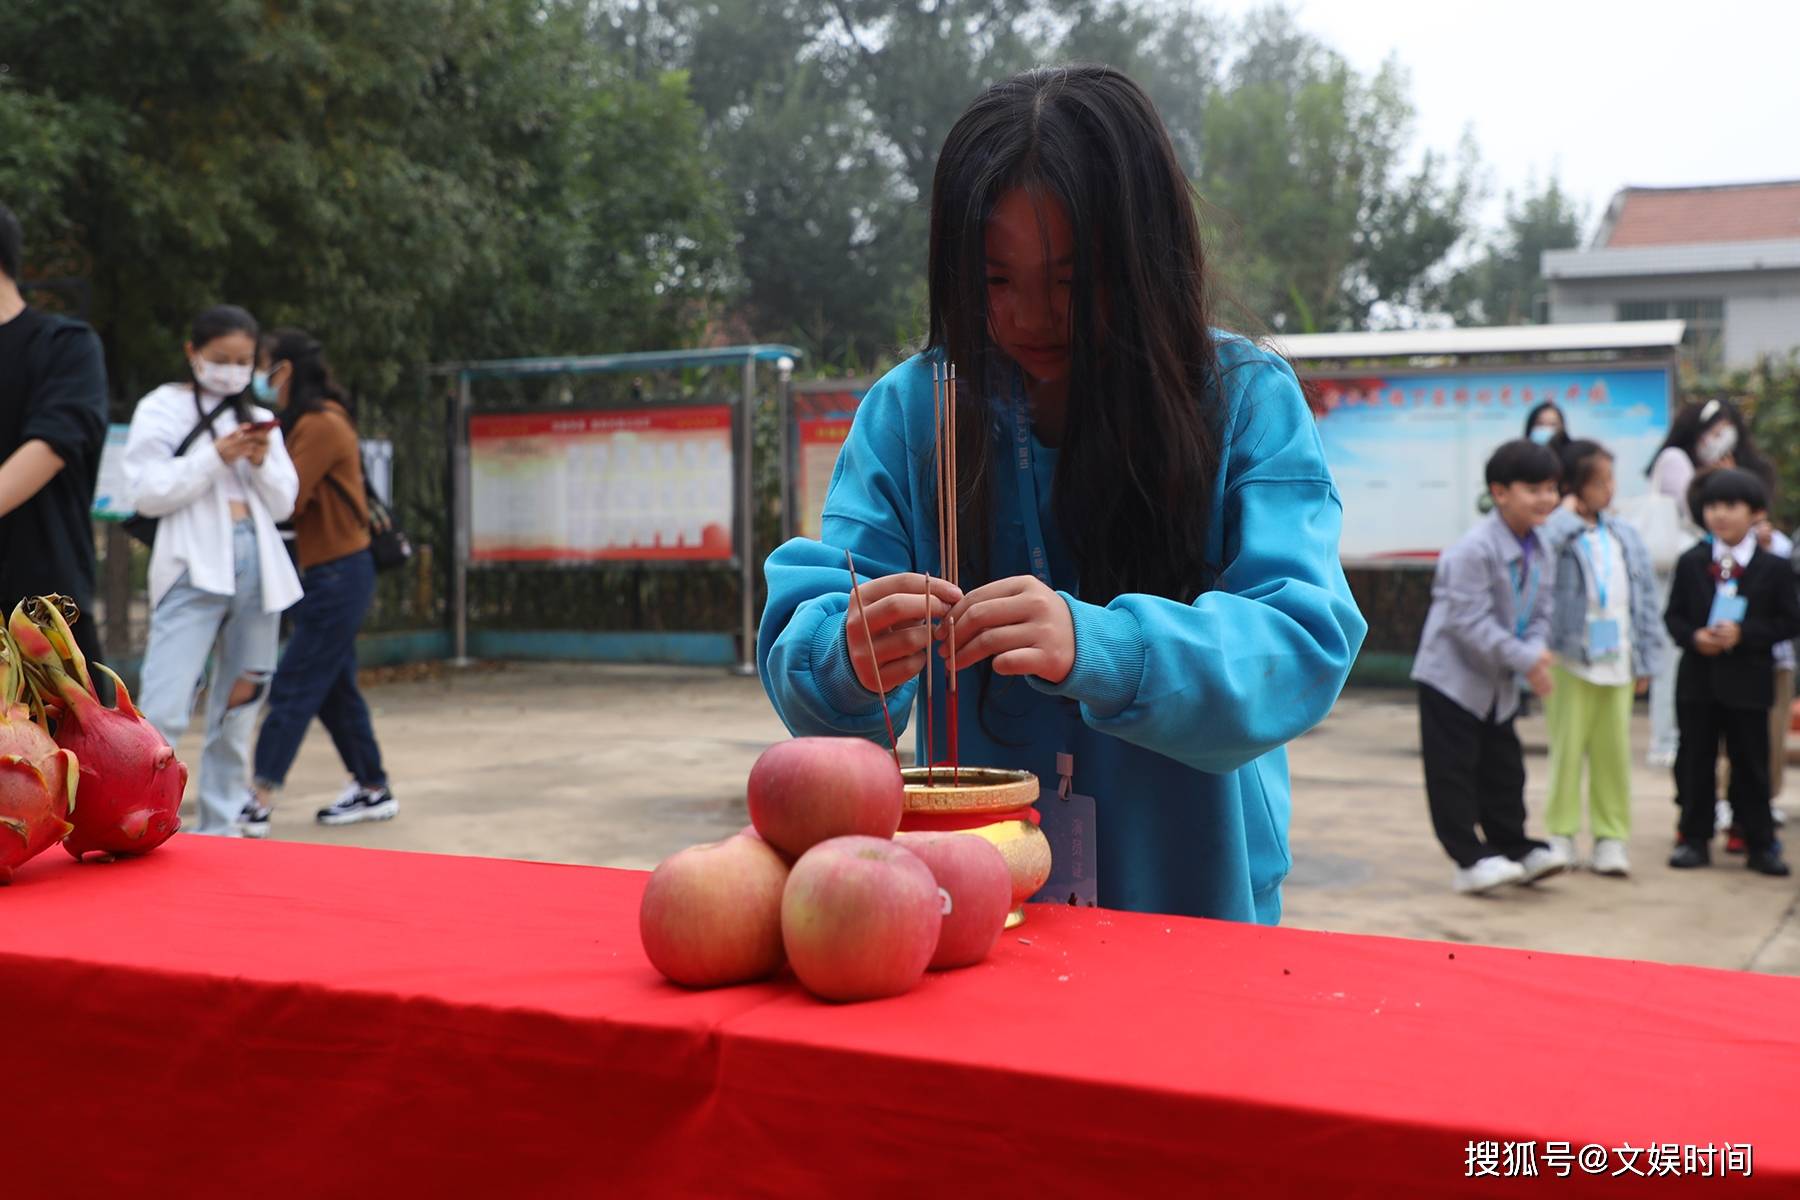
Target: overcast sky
x=1602 y=92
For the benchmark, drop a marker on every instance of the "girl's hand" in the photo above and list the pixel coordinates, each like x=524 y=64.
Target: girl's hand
x=1765 y=533
x=259 y=449
x=895 y=611
x=1024 y=626
x=237 y=444
x=1571 y=503
x=1643 y=686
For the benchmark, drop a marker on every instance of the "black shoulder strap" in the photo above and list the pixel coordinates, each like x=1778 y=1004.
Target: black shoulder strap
x=343 y=491
x=204 y=423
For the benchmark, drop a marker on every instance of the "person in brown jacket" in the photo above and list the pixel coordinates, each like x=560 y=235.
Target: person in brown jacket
x=317 y=672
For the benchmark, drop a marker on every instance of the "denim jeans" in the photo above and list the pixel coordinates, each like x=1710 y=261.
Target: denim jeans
x=186 y=626
x=317 y=675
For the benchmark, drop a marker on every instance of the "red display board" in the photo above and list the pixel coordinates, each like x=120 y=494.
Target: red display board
x=228 y=1018
x=630 y=485
x=822 y=417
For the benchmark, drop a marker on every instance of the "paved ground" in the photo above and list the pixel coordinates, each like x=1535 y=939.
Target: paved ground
x=620 y=766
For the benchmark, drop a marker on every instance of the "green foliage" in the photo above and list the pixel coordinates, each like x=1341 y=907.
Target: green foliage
x=1505 y=285
x=1770 y=394
x=415 y=180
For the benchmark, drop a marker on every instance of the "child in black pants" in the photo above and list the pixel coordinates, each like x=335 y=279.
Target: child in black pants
x=1729 y=604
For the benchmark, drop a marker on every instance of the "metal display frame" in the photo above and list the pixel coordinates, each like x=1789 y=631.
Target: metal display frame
x=743 y=407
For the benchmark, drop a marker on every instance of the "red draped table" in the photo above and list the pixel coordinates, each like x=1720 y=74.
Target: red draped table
x=234 y=1018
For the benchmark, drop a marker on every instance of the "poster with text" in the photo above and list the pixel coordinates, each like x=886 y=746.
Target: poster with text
x=821 y=425
x=1409 y=451
x=615 y=485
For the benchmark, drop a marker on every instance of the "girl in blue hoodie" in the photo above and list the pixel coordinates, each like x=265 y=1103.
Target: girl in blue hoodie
x=1153 y=604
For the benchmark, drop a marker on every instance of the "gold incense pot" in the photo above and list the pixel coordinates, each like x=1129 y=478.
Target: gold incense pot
x=973 y=792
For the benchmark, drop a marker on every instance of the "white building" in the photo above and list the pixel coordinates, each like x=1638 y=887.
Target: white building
x=1725 y=259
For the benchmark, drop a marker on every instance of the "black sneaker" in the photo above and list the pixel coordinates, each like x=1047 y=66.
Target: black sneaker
x=1767 y=862
x=365 y=804
x=253 y=822
x=1687 y=855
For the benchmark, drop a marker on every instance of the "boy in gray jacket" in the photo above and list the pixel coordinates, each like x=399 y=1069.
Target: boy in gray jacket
x=1488 y=625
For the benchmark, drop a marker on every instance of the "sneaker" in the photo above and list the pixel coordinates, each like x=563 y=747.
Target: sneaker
x=1544 y=862
x=1777 y=816
x=1734 y=841
x=1660 y=760
x=1610 y=858
x=360 y=804
x=253 y=822
x=1768 y=862
x=1487 y=874
x=1688 y=856
x=1721 y=814
x=1566 y=847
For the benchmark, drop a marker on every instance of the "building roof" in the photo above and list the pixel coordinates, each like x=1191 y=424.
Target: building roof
x=1680 y=216
x=1499 y=339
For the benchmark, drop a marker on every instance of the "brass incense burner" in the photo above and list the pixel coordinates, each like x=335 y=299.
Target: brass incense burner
x=942 y=799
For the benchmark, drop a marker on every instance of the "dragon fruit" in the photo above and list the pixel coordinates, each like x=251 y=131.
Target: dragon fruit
x=37 y=780
x=131 y=783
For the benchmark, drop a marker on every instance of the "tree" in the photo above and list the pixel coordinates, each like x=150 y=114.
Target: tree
x=414 y=180
x=1315 y=219
x=1505 y=285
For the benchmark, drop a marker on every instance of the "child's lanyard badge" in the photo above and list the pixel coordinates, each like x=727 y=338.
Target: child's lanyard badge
x=1603 y=640
x=1067 y=819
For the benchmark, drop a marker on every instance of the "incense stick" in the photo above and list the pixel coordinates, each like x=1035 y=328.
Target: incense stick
x=954 y=565
x=930 y=752
x=874 y=663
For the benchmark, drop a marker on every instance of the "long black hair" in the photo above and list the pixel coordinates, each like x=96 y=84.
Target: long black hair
x=221 y=320
x=310 y=383
x=1693 y=421
x=1561 y=439
x=1142 y=441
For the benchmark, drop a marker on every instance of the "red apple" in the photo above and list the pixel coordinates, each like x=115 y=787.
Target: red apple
x=711 y=914
x=806 y=790
x=860 y=918
x=977 y=893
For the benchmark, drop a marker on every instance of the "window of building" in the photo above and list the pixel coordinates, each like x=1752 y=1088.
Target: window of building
x=1703 y=344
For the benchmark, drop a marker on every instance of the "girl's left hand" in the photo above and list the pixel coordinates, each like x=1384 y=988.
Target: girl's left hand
x=1643 y=686
x=1024 y=626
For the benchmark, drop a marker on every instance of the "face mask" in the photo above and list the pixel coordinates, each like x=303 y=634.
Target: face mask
x=1716 y=445
x=1543 y=435
x=221 y=379
x=265 y=391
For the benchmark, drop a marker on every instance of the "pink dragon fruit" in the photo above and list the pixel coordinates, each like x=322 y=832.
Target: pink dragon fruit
x=37 y=780
x=131 y=783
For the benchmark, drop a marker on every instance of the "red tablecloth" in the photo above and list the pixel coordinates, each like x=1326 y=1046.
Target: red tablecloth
x=272 y=1019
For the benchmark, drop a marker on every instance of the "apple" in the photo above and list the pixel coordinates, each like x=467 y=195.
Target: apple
x=860 y=918
x=711 y=914
x=976 y=889
x=804 y=791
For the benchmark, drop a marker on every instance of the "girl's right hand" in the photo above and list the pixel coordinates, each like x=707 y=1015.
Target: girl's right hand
x=235 y=445
x=894 y=613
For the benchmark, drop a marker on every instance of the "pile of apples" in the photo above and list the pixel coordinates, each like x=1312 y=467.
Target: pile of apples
x=819 y=880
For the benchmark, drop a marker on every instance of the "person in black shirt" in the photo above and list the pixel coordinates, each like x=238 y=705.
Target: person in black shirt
x=52 y=428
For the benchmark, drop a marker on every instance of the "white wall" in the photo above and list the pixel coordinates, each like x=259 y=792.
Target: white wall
x=1762 y=310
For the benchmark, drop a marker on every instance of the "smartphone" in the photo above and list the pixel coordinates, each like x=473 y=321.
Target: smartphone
x=262 y=426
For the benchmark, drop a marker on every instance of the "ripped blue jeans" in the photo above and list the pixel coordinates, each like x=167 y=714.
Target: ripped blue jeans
x=186 y=626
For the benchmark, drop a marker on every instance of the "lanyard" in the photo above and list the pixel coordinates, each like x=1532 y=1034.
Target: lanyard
x=1600 y=562
x=1523 y=599
x=1025 y=472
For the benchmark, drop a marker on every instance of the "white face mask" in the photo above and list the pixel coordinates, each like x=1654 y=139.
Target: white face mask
x=221 y=379
x=1716 y=445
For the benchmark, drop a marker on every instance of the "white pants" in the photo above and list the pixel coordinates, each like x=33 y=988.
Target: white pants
x=186 y=626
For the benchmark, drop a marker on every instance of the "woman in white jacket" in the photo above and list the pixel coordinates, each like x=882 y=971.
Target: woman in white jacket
x=219 y=576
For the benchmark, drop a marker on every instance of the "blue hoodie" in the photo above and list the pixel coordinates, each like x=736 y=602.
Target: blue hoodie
x=1178 y=714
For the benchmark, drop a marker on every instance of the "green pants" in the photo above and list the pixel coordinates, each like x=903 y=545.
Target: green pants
x=1589 y=723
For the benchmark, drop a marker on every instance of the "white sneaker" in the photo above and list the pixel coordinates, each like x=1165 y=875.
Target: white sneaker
x=1567 y=846
x=1491 y=872
x=1659 y=760
x=1777 y=816
x=1543 y=862
x=1610 y=858
x=1722 y=815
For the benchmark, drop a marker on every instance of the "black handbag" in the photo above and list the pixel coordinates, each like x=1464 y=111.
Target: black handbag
x=142 y=528
x=388 y=544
